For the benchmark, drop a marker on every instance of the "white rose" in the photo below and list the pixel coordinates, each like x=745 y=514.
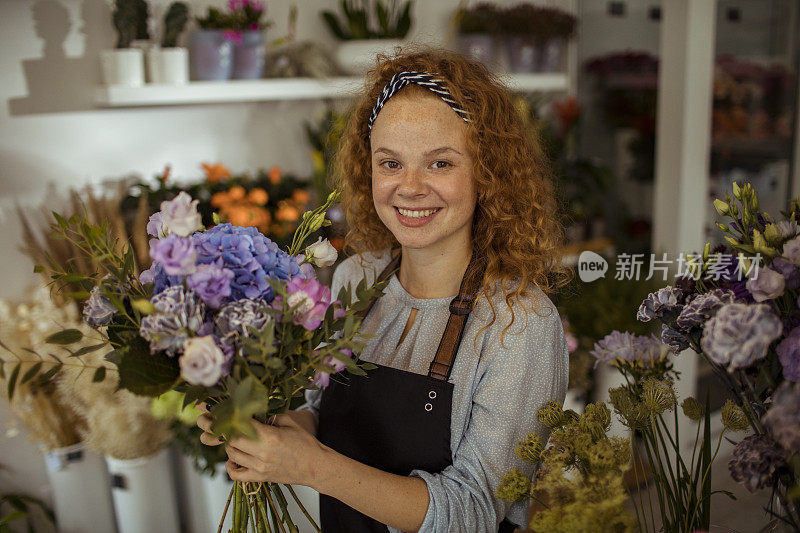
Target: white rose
x=321 y=253
x=791 y=251
x=180 y=216
x=202 y=361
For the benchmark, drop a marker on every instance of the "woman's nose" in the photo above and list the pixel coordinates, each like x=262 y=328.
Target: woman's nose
x=413 y=183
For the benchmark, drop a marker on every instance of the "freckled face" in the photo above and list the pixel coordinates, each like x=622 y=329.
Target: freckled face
x=422 y=184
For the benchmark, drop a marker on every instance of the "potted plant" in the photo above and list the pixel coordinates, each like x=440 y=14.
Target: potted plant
x=124 y=65
x=230 y=44
x=476 y=28
x=535 y=37
x=248 y=38
x=170 y=63
x=211 y=48
x=366 y=29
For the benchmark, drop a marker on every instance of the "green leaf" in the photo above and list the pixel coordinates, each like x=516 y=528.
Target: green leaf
x=50 y=374
x=38 y=269
x=99 y=375
x=233 y=415
x=333 y=25
x=67 y=336
x=12 y=381
x=144 y=306
x=144 y=373
x=32 y=371
x=88 y=349
x=368 y=366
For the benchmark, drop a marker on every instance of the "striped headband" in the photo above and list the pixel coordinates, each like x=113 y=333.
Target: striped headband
x=401 y=79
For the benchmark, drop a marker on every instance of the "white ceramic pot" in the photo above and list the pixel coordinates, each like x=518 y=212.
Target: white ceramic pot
x=168 y=66
x=123 y=66
x=81 y=492
x=144 y=494
x=358 y=56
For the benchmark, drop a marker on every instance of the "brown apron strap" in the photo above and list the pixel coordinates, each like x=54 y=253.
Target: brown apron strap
x=388 y=271
x=460 y=308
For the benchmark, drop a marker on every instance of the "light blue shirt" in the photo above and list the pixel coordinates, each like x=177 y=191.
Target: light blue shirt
x=497 y=389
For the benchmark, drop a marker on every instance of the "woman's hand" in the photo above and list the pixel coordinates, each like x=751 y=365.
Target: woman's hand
x=284 y=452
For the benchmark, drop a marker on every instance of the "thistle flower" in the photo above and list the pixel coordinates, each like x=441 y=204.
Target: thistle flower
x=658 y=396
x=692 y=408
x=701 y=308
x=595 y=420
x=782 y=419
x=657 y=303
x=755 y=462
x=530 y=450
x=739 y=334
x=514 y=487
x=628 y=408
x=733 y=417
x=553 y=416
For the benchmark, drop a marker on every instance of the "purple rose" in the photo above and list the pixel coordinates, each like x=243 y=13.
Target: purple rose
x=323 y=379
x=788 y=271
x=180 y=216
x=177 y=255
x=202 y=361
x=212 y=282
x=789 y=355
x=310 y=299
x=768 y=285
x=740 y=334
x=155 y=226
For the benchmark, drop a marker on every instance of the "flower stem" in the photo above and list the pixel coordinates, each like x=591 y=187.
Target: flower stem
x=302 y=508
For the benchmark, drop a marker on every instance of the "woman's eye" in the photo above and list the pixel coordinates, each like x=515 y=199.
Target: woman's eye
x=392 y=165
x=441 y=164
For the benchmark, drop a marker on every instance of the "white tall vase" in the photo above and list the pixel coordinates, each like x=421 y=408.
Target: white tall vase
x=81 y=498
x=203 y=497
x=144 y=494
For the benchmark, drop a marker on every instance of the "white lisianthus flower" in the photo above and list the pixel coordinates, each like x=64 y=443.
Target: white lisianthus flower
x=202 y=361
x=321 y=253
x=180 y=216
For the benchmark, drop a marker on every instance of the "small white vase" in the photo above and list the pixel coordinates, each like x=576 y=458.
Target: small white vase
x=359 y=55
x=123 y=66
x=168 y=66
x=144 y=494
x=81 y=495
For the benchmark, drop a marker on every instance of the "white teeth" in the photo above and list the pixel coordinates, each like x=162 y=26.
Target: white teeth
x=416 y=214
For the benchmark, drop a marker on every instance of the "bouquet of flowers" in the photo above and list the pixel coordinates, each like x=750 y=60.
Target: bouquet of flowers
x=643 y=403
x=579 y=486
x=743 y=318
x=223 y=316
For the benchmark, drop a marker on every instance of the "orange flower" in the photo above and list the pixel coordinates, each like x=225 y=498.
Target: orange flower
x=275 y=175
x=237 y=193
x=216 y=172
x=164 y=175
x=247 y=216
x=286 y=212
x=301 y=196
x=258 y=196
x=219 y=199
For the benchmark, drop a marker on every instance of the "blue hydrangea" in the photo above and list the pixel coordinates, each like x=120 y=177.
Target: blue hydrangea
x=250 y=255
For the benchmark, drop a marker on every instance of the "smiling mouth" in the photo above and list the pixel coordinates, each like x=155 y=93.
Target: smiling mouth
x=416 y=213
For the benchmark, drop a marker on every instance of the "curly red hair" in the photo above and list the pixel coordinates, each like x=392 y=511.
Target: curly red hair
x=516 y=218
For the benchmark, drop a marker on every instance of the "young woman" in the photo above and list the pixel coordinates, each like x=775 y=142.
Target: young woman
x=448 y=198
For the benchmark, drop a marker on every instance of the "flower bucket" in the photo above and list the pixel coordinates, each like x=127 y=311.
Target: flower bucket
x=523 y=54
x=168 y=66
x=359 y=55
x=211 y=55
x=123 y=66
x=248 y=56
x=144 y=494
x=479 y=46
x=81 y=496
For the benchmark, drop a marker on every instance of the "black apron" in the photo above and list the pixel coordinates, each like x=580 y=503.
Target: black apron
x=395 y=420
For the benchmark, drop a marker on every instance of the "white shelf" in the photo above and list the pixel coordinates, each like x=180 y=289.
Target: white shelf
x=210 y=92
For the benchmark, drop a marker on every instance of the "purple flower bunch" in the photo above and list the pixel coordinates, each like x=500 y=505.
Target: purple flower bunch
x=628 y=347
